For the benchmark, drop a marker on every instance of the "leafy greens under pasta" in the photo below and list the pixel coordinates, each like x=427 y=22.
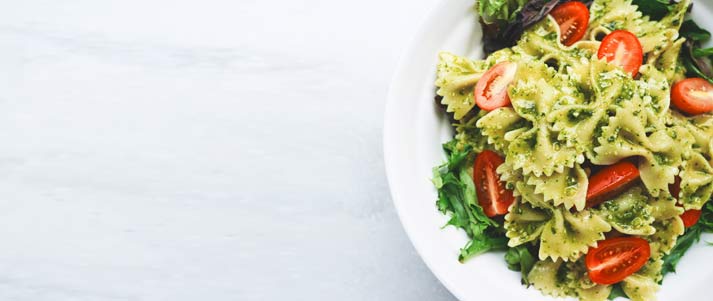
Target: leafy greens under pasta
x=568 y=108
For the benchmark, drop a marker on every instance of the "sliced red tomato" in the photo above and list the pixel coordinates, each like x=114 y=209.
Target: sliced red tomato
x=690 y=217
x=491 y=91
x=573 y=19
x=693 y=96
x=492 y=195
x=616 y=258
x=623 y=49
x=610 y=181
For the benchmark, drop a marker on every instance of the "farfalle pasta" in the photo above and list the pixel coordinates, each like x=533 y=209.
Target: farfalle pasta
x=563 y=115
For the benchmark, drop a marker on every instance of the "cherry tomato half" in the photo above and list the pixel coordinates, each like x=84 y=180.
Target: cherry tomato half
x=491 y=91
x=623 y=49
x=610 y=181
x=616 y=258
x=693 y=96
x=689 y=217
x=492 y=195
x=573 y=19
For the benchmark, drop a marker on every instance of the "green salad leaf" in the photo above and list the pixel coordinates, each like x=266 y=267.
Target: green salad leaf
x=706 y=221
x=700 y=52
x=499 y=10
x=504 y=21
x=457 y=197
x=616 y=292
x=684 y=243
x=694 y=58
x=520 y=259
x=692 y=235
x=656 y=9
x=698 y=68
x=692 y=32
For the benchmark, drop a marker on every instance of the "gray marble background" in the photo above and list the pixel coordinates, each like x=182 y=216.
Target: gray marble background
x=201 y=150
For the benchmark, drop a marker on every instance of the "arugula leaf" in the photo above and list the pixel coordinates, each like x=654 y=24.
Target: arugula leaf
x=506 y=32
x=520 y=259
x=700 y=52
x=482 y=244
x=656 y=9
x=691 y=236
x=692 y=32
x=616 y=292
x=696 y=66
x=695 y=59
x=499 y=10
x=457 y=197
x=706 y=220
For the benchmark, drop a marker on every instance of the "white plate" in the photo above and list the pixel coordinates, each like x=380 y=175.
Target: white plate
x=414 y=129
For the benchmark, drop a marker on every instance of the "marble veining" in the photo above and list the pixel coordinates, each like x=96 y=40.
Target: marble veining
x=201 y=150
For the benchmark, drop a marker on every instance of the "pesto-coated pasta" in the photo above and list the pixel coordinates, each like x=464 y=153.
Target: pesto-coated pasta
x=571 y=112
x=560 y=279
x=629 y=213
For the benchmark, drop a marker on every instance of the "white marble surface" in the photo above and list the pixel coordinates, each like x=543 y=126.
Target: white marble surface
x=201 y=150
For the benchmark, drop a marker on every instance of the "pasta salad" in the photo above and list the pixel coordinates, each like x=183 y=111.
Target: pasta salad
x=583 y=147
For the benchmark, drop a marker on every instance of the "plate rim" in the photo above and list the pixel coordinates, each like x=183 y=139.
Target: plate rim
x=388 y=135
x=392 y=151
